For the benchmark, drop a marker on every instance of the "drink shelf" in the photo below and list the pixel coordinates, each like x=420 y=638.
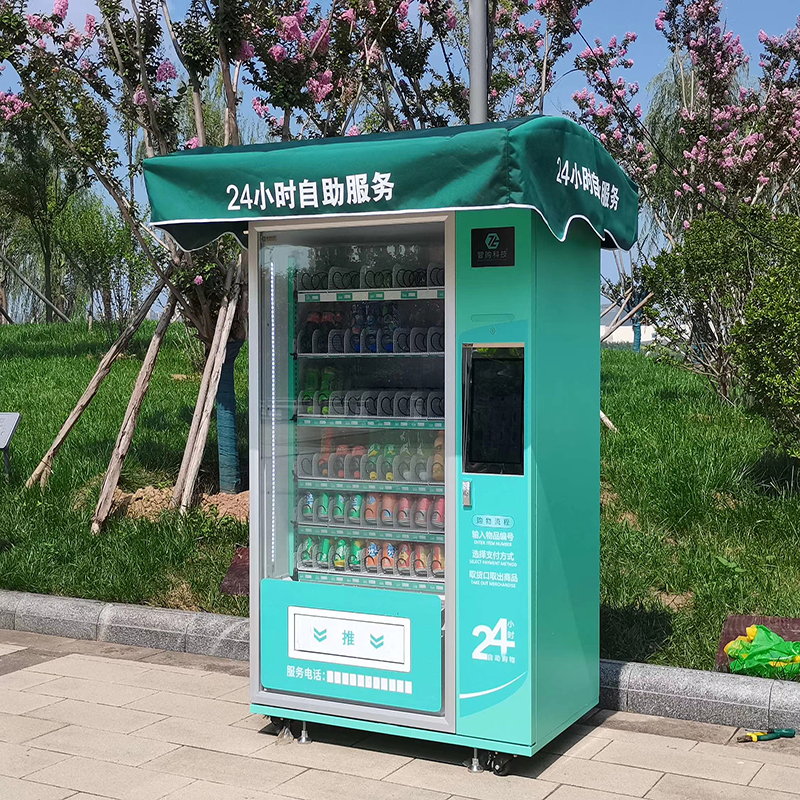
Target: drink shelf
x=350 y=295
x=369 y=532
x=393 y=487
x=369 y=355
x=433 y=585
x=412 y=423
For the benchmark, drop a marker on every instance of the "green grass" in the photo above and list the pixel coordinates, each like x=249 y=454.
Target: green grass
x=45 y=544
x=694 y=505
x=699 y=509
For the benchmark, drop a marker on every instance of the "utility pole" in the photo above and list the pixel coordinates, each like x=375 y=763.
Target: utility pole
x=478 y=62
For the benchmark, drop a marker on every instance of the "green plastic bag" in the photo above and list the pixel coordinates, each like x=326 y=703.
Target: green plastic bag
x=765 y=654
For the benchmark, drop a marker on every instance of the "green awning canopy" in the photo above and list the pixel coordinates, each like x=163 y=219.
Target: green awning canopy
x=550 y=164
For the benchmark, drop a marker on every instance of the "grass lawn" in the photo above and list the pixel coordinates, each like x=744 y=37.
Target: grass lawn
x=696 y=521
x=46 y=544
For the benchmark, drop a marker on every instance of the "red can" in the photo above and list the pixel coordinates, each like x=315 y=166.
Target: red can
x=437 y=560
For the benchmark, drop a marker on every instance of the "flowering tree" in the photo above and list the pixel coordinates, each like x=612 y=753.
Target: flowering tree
x=351 y=66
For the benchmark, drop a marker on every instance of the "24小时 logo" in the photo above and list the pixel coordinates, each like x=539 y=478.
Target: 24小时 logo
x=492 y=241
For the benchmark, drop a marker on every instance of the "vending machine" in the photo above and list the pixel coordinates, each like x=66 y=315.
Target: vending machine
x=424 y=420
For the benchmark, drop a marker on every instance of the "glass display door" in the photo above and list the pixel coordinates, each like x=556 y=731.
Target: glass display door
x=353 y=390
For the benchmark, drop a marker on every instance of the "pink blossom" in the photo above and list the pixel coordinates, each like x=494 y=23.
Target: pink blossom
x=659 y=24
x=348 y=16
x=60 y=8
x=519 y=100
x=762 y=36
x=451 y=18
x=320 y=41
x=73 y=42
x=260 y=107
x=686 y=224
x=10 y=105
x=290 y=29
x=402 y=9
x=424 y=10
x=91 y=25
x=321 y=86
x=278 y=52
x=198 y=280
x=40 y=24
x=166 y=71
x=353 y=131
x=139 y=97
x=373 y=11
x=493 y=93
x=763 y=180
x=246 y=52
x=521 y=29
x=193 y=144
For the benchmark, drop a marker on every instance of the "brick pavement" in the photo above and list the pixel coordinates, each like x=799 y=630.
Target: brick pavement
x=87 y=720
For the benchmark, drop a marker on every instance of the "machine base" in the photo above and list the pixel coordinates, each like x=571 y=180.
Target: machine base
x=396 y=730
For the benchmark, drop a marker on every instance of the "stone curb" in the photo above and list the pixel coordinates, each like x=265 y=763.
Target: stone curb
x=713 y=697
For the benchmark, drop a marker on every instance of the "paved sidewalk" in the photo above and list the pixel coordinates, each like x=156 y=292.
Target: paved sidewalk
x=83 y=720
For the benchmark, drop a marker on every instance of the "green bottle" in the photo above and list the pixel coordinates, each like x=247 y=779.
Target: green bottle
x=310 y=388
x=326 y=386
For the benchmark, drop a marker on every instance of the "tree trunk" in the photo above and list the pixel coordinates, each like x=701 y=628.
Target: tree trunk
x=107 y=303
x=48 y=285
x=637 y=332
x=230 y=479
x=42 y=472
x=128 y=427
x=5 y=319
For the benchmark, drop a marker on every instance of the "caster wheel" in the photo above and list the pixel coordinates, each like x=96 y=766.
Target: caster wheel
x=501 y=764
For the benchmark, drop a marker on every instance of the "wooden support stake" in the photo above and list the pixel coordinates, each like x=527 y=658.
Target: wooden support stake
x=42 y=472
x=626 y=317
x=218 y=359
x=128 y=427
x=607 y=422
x=180 y=481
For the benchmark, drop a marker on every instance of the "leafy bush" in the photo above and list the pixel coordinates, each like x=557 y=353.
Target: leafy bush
x=766 y=345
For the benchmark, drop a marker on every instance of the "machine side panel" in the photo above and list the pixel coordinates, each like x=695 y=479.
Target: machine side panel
x=567 y=477
x=494 y=548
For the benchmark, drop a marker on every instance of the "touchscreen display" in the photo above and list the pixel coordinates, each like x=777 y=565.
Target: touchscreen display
x=494 y=403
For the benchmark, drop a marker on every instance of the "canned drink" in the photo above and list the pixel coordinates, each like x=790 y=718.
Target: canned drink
x=340 y=554
x=421 y=513
x=308 y=505
x=437 y=516
x=371 y=510
x=356 y=555
x=357 y=453
x=388 y=556
x=421 y=557
x=373 y=556
x=307 y=551
x=437 y=560
x=354 y=512
x=323 y=507
x=373 y=451
x=404 y=558
x=404 y=511
x=388 y=503
x=324 y=553
x=339 y=503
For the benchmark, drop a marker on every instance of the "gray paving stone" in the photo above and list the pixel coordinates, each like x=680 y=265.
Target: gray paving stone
x=102 y=745
x=17 y=729
x=141 y=626
x=8 y=607
x=577 y=793
x=451 y=779
x=193 y=661
x=219 y=635
x=777 y=778
x=333 y=758
x=701 y=696
x=203 y=790
x=225 y=768
x=17 y=761
x=681 y=787
x=614 y=681
x=109 y=780
x=16 y=789
x=784 y=707
x=67 y=617
x=661 y=726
